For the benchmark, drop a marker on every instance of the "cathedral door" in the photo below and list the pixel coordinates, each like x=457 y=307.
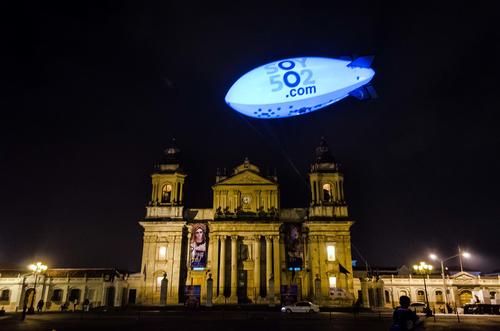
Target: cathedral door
x=242 y=287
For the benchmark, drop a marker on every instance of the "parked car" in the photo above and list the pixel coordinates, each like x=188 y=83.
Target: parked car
x=301 y=307
x=482 y=309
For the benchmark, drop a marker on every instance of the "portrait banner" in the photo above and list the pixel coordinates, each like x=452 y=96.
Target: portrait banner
x=198 y=246
x=294 y=246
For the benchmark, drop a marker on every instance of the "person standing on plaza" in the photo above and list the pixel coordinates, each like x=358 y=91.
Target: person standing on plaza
x=403 y=318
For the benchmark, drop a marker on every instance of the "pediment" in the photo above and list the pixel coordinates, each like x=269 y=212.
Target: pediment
x=463 y=276
x=246 y=177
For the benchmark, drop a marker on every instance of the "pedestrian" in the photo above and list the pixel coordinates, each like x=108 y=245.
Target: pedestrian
x=356 y=306
x=39 y=305
x=404 y=318
x=86 y=304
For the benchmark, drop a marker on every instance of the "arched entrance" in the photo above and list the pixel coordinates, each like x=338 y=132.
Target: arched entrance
x=110 y=296
x=29 y=296
x=465 y=297
x=75 y=295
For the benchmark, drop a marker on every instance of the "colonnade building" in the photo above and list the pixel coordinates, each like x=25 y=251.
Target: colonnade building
x=246 y=248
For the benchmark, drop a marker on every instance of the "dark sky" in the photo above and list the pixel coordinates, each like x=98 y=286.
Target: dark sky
x=88 y=107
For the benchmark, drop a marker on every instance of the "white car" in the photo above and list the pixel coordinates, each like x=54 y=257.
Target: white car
x=301 y=307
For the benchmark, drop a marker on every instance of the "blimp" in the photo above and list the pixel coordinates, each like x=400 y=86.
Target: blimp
x=300 y=85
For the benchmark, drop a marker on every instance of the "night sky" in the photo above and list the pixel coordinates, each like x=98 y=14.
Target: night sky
x=93 y=94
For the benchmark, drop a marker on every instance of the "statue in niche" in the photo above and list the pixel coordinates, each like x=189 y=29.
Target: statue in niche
x=272 y=212
x=227 y=212
x=261 y=212
x=238 y=210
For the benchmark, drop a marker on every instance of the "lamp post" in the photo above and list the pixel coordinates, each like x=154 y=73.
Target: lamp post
x=459 y=255
x=424 y=269
x=37 y=268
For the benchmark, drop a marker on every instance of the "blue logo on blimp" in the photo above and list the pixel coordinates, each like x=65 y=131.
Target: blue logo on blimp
x=300 y=85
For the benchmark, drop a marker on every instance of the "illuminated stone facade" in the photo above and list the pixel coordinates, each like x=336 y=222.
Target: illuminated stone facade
x=246 y=249
x=60 y=289
x=455 y=289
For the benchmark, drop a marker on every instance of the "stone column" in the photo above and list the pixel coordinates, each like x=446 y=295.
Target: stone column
x=269 y=263
x=277 y=266
x=256 y=268
x=364 y=292
x=312 y=192
x=283 y=262
x=222 y=269
x=213 y=258
x=233 y=298
x=181 y=197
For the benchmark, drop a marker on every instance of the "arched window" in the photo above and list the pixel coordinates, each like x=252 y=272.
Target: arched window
x=159 y=278
x=439 y=296
x=420 y=296
x=493 y=295
x=74 y=295
x=166 y=193
x=403 y=292
x=327 y=192
x=57 y=296
x=5 y=295
x=465 y=297
x=387 y=296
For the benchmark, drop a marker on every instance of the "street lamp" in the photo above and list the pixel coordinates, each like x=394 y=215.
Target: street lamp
x=424 y=269
x=459 y=255
x=36 y=269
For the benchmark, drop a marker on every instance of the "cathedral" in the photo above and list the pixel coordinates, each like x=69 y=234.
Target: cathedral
x=246 y=249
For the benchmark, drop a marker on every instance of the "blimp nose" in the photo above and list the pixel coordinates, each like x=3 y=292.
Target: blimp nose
x=365 y=74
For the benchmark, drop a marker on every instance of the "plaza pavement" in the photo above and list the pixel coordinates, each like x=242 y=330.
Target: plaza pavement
x=232 y=320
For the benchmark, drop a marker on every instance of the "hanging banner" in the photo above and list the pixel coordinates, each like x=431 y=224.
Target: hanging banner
x=198 y=246
x=294 y=246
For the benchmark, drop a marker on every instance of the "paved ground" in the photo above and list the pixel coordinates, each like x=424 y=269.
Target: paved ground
x=237 y=321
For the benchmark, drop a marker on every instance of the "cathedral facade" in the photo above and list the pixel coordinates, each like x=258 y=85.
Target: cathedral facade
x=246 y=248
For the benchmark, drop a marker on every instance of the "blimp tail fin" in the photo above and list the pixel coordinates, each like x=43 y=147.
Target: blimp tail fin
x=362 y=62
x=364 y=93
x=372 y=92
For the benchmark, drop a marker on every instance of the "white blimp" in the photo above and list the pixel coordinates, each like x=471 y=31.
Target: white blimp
x=300 y=85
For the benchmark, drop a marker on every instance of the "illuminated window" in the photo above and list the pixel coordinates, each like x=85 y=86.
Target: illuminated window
x=330 y=251
x=439 y=296
x=5 y=296
x=403 y=292
x=420 y=296
x=162 y=253
x=387 y=296
x=166 y=192
x=332 y=280
x=327 y=192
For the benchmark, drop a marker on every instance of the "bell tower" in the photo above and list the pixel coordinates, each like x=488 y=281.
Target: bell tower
x=163 y=232
x=167 y=192
x=327 y=184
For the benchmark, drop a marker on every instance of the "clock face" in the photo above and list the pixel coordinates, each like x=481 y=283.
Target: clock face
x=246 y=199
